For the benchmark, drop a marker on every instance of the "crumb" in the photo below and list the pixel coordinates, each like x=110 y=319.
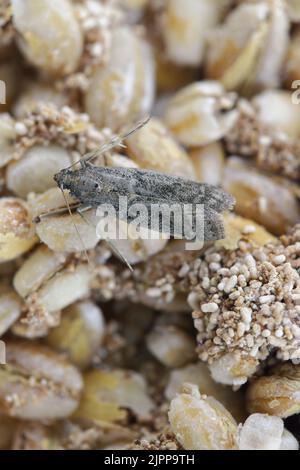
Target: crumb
x=164 y=441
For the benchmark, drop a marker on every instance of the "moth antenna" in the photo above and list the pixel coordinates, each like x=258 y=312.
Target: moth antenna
x=116 y=141
x=136 y=128
x=75 y=226
x=117 y=251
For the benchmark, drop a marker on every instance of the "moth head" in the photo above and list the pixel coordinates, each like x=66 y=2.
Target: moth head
x=64 y=179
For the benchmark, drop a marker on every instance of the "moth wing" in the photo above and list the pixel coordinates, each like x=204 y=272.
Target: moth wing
x=173 y=189
x=205 y=225
x=217 y=199
x=213 y=226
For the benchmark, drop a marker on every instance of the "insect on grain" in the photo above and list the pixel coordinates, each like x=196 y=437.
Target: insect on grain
x=95 y=186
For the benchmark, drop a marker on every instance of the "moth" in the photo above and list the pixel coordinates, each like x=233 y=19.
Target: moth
x=94 y=186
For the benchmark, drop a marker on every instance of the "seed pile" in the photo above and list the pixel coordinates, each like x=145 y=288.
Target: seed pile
x=245 y=300
x=65 y=127
x=251 y=305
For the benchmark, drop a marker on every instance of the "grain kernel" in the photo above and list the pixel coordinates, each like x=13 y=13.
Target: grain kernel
x=37 y=384
x=16 y=229
x=79 y=333
x=171 y=77
x=7 y=136
x=154 y=148
x=60 y=235
x=49 y=34
x=233 y=369
x=200 y=375
x=65 y=288
x=201 y=423
x=281 y=208
x=10 y=307
x=245 y=52
x=107 y=395
x=261 y=432
x=277 y=394
x=171 y=346
x=185 y=29
x=200 y=114
x=40 y=266
x=50 y=200
x=288 y=441
x=276 y=110
x=138 y=245
x=209 y=163
x=123 y=89
x=34 y=172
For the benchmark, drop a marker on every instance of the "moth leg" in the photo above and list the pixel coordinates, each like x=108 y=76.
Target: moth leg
x=52 y=213
x=83 y=208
